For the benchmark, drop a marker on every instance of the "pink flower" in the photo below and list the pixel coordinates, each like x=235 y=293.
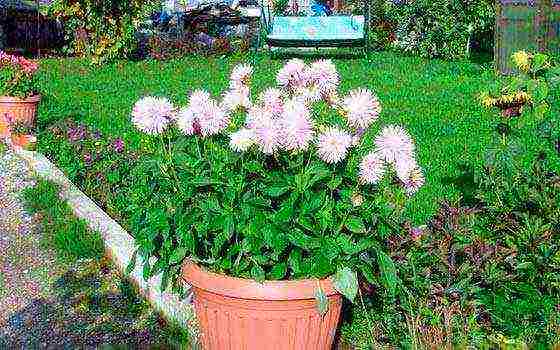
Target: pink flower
x=152 y=115
x=211 y=118
x=394 y=143
x=297 y=130
x=414 y=181
x=268 y=137
x=416 y=233
x=362 y=108
x=242 y=140
x=241 y=74
x=186 y=121
x=258 y=116
x=292 y=75
x=333 y=145
x=273 y=101
x=323 y=74
x=233 y=100
x=198 y=99
x=372 y=168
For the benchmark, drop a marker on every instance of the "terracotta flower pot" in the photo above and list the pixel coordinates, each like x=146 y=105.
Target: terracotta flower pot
x=235 y=313
x=26 y=142
x=20 y=110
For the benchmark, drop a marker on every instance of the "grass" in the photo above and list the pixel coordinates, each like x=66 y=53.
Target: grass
x=69 y=236
x=435 y=100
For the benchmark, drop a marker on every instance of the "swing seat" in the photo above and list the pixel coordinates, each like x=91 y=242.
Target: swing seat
x=331 y=31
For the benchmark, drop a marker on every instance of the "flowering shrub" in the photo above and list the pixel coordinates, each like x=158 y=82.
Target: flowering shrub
x=270 y=188
x=103 y=30
x=17 y=76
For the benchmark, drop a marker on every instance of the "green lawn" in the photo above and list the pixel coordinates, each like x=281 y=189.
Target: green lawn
x=435 y=100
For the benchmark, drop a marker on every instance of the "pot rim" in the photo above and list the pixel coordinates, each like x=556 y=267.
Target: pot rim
x=12 y=99
x=242 y=288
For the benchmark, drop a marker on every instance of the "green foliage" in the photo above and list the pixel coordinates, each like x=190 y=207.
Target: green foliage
x=430 y=28
x=70 y=236
x=103 y=30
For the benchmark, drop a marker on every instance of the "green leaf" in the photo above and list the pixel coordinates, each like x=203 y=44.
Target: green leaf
x=355 y=224
x=334 y=183
x=322 y=301
x=178 y=255
x=131 y=264
x=278 y=271
x=146 y=271
x=346 y=244
x=276 y=191
x=346 y=282
x=388 y=272
x=257 y=273
x=300 y=239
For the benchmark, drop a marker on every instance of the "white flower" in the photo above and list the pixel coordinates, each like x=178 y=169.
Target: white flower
x=241 y=74
x=324 y=75
x=186 y=121
x=212 y=119
x=273 y=101
x=394 y=143
x=292 y=75
x=372 y=168
x=242 y=140
x=152 y=115
x=362 y=108
x=333 y=145
x=297 y=129
x=198 y=100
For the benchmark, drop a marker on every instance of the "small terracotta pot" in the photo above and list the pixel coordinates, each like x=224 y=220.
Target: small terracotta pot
x=235 y=313
x=20 y=110
x=26 y=142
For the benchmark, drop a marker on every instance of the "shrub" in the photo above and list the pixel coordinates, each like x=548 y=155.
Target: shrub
x=102 y=29
x=279 y=198
x=434 y=29
x=17 y=76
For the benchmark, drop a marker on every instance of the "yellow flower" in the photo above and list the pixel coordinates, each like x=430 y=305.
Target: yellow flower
x=522 y=60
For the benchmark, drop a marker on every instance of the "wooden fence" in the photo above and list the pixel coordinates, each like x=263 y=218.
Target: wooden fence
x=532 y=25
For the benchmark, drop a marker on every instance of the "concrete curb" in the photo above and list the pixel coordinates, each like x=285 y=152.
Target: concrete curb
x=119 y=245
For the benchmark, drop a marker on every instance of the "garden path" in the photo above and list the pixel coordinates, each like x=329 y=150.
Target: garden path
x=46 y=302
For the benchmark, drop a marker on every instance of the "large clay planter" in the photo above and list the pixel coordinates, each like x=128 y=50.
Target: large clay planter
x=20 y=110
x=236 y=313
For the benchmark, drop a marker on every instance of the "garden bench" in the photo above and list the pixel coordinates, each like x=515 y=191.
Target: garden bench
x=317 y=31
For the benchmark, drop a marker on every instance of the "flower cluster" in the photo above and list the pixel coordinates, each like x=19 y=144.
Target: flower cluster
x=26 y=66
x=17 y=76
x=281 y=120
x=394 y=147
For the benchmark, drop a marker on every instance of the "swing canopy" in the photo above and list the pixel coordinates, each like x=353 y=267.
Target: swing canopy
x=317 y=31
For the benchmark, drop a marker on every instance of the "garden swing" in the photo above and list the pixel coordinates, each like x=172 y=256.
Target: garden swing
x=316 y=31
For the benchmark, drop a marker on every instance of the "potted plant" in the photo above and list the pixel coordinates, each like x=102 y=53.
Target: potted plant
x=270 y=209
x=18 y=88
